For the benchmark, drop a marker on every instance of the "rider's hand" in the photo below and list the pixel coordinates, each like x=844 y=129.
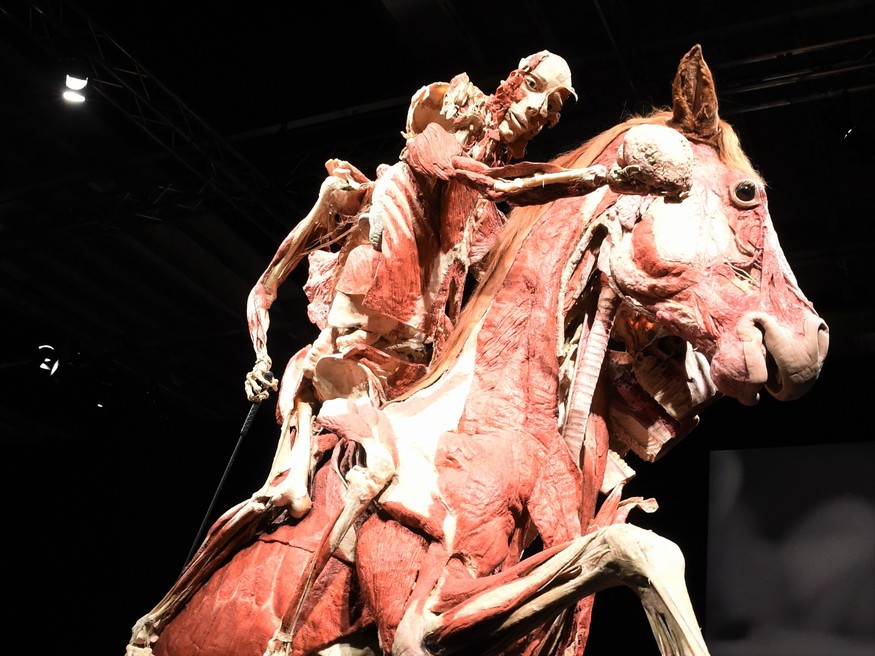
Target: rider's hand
x=260 y=381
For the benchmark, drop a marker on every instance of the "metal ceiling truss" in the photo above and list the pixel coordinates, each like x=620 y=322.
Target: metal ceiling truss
x=60 y=27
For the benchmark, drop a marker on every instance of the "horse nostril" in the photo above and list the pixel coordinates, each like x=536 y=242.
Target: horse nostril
x=822 y=341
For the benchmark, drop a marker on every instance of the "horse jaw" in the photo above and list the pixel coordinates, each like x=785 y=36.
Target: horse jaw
x=660 y=385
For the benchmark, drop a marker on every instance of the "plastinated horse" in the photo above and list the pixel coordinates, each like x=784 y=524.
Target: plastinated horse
x=603 y=325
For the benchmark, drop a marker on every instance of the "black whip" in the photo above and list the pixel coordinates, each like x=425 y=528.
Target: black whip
x=247 y=424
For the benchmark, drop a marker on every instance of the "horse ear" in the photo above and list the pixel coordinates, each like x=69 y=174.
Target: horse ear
x=694 y=100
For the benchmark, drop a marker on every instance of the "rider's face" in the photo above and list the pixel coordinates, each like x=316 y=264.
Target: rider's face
x=537 y=100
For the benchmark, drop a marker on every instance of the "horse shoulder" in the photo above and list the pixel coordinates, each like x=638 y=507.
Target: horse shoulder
x=555 y=499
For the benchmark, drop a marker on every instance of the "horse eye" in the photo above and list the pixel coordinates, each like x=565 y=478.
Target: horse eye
x=745 y=194
x=532 y=83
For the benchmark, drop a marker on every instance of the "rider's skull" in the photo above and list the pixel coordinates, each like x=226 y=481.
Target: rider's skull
x=543 y=84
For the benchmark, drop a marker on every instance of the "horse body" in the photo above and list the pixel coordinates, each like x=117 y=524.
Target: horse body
x=601 y=322
x=500 y=472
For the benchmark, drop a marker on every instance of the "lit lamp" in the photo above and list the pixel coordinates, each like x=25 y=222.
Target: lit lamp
x=76 y=81
x=73 y=92
x=49 y=360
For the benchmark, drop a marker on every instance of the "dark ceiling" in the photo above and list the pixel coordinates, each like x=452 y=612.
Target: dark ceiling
x=132 y=227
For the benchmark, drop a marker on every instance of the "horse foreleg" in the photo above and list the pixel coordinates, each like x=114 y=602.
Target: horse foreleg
x=621 y=554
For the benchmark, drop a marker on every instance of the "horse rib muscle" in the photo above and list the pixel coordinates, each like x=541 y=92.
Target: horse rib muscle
x=586 y=373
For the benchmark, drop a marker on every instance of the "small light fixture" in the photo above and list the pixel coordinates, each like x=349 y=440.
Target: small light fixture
x=73 y=92
x=50 y=360
x=75 y=82
x=73 y=96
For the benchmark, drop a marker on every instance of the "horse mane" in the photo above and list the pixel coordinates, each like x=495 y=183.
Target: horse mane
x=728 y=146
x=522 y=219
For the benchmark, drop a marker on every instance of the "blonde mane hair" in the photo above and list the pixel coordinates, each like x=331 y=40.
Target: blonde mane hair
x=728 y=145
x=522 y=219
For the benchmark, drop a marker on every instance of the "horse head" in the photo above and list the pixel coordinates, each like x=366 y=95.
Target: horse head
x=707 y=305
x=705 y=289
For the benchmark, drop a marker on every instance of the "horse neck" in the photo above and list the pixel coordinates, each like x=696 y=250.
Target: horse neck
x=517 y=341
x=532 y=245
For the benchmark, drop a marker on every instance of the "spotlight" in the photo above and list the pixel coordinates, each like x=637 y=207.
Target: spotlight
x=75 y=82
x=73 y=96
x=860 y=143
x=50 y=360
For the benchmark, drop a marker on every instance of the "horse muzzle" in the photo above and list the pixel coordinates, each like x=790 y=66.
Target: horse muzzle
x=771 y=356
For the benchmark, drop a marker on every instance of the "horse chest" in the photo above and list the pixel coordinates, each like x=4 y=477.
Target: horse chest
x=477 y=486
x=459 y=483
x=484 y=480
